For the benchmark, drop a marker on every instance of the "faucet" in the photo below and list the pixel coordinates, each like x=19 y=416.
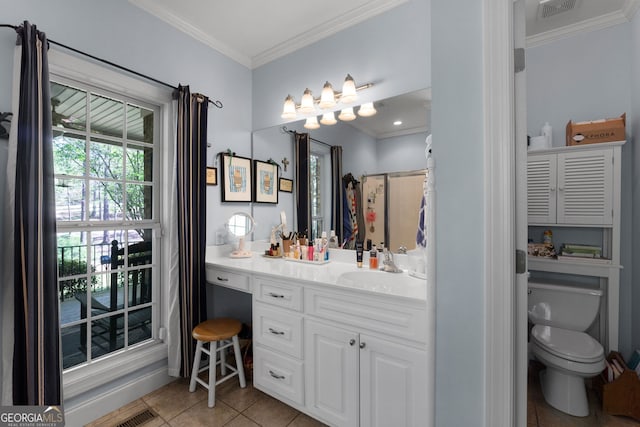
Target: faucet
x=388 y=264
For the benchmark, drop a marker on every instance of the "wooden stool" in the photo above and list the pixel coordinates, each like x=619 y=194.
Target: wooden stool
x=225 y=331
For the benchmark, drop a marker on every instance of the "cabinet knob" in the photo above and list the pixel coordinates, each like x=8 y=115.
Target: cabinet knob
x=271 y=294
x=352 y=342
x=274 y=332
x=363 y=344
x=223 y=279
x=276 y=376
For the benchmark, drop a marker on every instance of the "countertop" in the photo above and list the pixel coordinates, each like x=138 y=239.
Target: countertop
x=377 y=282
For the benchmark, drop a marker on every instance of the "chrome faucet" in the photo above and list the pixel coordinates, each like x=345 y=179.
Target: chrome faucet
x=388 y=264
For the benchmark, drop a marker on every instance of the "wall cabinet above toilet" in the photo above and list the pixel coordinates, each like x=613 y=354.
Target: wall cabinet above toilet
x=572 y=185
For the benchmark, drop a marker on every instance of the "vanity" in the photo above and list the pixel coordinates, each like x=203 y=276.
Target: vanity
x=345 y=345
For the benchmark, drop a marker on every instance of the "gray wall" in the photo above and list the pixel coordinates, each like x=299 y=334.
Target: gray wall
x=634 y=127
x=587 y=77
x=456 y=119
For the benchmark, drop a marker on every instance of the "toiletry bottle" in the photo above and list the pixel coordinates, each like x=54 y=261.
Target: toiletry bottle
x=373 y=258
x=296 y=251
x=333 y=240
x=359 y=249
x=323 y=246
x=310 y=251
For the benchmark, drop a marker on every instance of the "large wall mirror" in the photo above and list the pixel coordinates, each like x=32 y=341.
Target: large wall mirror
x=384 y=153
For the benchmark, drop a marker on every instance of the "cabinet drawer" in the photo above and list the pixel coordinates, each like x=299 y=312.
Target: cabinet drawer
x=287 y=295
x=279 y=374
x=230 y=280
x=278 y=329
x=393 y=319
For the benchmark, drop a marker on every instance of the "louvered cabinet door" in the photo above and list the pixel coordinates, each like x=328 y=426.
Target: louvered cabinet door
x=541 y=189
x=585 y=187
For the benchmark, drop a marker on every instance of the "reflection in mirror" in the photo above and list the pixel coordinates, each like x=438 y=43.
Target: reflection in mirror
x=240 y=225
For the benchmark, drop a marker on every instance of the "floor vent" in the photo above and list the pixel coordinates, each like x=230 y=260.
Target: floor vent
x=138 y=419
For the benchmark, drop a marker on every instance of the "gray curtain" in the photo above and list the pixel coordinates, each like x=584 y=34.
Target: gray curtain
x=191 y=165
x=36 y=354
x=337 y=192
x=302 y=149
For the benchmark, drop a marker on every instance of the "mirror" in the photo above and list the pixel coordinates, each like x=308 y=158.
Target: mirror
x=240 y=225
x=371 y=146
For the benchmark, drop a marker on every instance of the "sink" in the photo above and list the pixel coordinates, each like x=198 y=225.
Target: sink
x=377 y=280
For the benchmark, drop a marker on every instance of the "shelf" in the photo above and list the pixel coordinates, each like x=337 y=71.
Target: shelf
x=586 y=147
x=578 y=267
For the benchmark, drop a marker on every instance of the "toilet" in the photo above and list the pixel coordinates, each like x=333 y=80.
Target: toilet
x=560 y=315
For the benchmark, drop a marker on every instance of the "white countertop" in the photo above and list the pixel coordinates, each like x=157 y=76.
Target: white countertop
x=380 y=282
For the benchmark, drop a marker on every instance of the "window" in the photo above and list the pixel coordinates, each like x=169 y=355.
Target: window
x=316 y=195
x=105 y=148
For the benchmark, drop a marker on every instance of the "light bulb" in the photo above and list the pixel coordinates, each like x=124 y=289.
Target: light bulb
x=347 y=114
x=349 y=94
x=327 y=98
x=306 y=104
x=311 y=123
x=367 y=109
x=289 y=109
x=328 y=119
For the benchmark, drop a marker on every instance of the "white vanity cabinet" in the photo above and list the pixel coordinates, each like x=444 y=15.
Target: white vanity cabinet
x=572 y=185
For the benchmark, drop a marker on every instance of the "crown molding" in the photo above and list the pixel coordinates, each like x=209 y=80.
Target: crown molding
x=620 y=16
x=161 y=13
x=324 y=30
x=299 y=41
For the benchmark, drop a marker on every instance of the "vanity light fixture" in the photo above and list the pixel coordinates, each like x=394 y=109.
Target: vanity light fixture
x=328 y=97
x=311 y=123
x=289 y=110
x=347 y=114
x=328 y=119
x=367 y=110
x=307 y=105
x=349 y=95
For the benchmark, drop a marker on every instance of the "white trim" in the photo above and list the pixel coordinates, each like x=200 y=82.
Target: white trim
x=296 y=42
x=620 y=16
x=499 y=166
x=115 y=398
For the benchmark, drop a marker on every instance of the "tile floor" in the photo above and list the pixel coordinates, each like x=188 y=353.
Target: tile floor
x=541 y=414
x=235 y=407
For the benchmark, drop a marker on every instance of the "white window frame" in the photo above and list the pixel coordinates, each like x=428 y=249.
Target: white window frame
x=324 y=153
x=66 y=68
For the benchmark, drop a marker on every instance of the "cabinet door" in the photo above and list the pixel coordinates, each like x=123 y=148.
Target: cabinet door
x=541 y=189
x=585 y=182
x=393 y=384
x=331 y=380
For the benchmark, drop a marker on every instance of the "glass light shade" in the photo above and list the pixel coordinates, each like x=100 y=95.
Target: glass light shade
x=306 y=104
x=311 y=123
x=327 y=98
x=349 y=94
x=347 y=114
x=289 y=110
x=367 y=109
x=328 y=119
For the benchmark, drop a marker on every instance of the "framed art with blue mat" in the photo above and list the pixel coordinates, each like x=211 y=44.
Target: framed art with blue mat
x=265 y=186
x=235 y=178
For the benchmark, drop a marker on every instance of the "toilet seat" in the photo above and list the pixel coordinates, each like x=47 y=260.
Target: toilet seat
x=573 y=346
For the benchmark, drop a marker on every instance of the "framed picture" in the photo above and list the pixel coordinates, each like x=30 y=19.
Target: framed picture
x=265 y=176
x=235 y=178
x=286 y=185
x=212 y=176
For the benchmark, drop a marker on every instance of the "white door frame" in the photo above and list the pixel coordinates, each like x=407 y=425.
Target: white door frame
x=499 y=162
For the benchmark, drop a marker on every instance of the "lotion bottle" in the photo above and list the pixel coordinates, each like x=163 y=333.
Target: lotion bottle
x=547 y=132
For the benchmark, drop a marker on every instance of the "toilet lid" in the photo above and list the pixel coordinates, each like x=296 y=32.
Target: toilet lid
x=570 y=345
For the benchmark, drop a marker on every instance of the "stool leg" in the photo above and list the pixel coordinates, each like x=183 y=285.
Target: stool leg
x=223 y=359
x=239 y=364
x=196 y=366
x=212 y=373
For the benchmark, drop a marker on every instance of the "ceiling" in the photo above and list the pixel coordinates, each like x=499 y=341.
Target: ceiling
x=254 y=33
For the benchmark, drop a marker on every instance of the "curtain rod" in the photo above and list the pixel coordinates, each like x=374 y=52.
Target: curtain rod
x=216 y=103
x=284 y=128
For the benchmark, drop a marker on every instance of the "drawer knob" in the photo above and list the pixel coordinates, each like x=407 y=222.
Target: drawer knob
x=276 y=376
x=352 y=342
x=271 y=294
x=274 y=332
x=363 y=345
x=223 y=279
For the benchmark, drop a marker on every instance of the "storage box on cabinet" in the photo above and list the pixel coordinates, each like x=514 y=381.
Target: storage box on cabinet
x=228 y=279
x=281 y=294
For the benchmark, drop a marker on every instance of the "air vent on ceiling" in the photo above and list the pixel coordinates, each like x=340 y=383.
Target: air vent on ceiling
x=547 y=8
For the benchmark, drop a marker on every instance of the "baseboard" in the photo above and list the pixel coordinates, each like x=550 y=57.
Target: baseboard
x=95 y=407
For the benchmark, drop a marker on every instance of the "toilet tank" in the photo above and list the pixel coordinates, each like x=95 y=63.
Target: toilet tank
x=567 y=307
